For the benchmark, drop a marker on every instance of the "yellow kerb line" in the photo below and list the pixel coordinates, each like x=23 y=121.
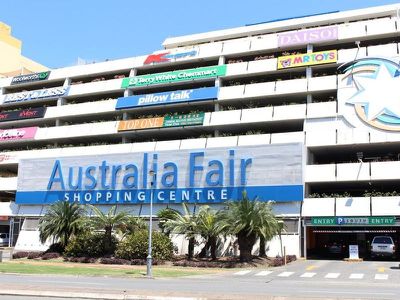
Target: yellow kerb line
x=381 y=270
x=310 y=268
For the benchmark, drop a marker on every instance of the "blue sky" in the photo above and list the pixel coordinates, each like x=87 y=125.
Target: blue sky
x=57 y=32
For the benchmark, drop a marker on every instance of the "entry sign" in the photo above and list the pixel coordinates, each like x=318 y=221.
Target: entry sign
x=353 y=252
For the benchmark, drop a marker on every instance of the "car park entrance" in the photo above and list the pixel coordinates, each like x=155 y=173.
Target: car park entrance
x=330 y=237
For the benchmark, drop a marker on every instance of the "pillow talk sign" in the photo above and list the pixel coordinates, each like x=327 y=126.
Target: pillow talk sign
x=167 y=97
x=271 y=172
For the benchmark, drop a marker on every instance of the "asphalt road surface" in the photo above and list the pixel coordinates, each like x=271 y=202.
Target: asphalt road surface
x=302 y=279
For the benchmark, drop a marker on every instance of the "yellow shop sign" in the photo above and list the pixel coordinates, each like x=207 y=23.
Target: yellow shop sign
x=307 y=59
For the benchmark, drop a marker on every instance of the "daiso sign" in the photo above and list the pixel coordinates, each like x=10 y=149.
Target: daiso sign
x=308 y=36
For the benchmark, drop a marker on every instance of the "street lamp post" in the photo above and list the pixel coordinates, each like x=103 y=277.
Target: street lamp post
x=149 y=273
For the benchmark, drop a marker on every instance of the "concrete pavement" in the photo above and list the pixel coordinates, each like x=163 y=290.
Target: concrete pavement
x=299 y=280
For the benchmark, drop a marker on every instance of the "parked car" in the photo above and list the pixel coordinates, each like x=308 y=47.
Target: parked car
x=383 y=246
x=335 y=248
x=4 y=239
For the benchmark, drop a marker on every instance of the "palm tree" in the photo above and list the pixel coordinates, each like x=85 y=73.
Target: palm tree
x=165 y=215
x=248 y=220
x=209 y=229
x=108 y=222
x=131 y=225
x=184 y=224
x=62 y=220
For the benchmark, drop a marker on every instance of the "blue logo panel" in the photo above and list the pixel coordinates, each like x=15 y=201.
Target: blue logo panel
x=282 y=193
x=167 y=97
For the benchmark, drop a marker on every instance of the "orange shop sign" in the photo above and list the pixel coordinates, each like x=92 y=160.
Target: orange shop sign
x=140 y=124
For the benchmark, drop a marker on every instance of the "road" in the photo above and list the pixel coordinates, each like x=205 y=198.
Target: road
x=302 y=279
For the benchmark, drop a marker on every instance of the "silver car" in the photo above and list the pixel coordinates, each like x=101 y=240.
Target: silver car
x=383 y=246
x=4 y=239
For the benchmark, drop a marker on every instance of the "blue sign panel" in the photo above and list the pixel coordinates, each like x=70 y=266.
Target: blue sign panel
x=35 y=95
x=270 y=172
x=167 y=97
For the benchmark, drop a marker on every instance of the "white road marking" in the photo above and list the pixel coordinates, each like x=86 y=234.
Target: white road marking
x=286 y=274
x=65 y=282
x=332 y=275
x=356 y=276
x=242 y=272
x=263 y=273
x=308 y=275
x=381 y=276
x=347 y=292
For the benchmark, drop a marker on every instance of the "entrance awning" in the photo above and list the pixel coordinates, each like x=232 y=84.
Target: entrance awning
x=353 y=206
x=318 y=207
x=385 y=206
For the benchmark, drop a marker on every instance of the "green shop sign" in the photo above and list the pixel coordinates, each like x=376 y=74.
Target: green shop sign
x=323 y=221
x=175 y=76
x=30 y=77
x=184 y=120
x=353 y=221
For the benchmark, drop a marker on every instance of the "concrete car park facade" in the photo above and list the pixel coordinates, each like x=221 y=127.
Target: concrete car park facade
x=303 y=112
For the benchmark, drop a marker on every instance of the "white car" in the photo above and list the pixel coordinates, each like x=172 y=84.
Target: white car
x=4 y=239
x=383 y=246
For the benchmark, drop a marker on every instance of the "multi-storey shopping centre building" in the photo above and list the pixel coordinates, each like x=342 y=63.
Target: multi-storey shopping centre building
x=300 y=111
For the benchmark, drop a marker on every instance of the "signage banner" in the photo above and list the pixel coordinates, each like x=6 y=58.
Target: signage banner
x=308 y=36
x=18 y=133
x=5 y=157
x=22 y=114
x=184 y=120
x=140 y=124
x=353 y=221
x=167 y=97
x=368 y=94
x=34 y=95
x=270 y=172
x=307 y=59
x=353 y=252
x=174 y=76
x=30 y=77
x=167 y=121
x=168 y=56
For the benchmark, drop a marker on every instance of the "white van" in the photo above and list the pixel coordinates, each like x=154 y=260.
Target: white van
x=383 y=246
x=4 y=239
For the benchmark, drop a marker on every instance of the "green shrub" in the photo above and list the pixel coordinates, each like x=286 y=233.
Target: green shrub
x=88 y=244
x=135 y=246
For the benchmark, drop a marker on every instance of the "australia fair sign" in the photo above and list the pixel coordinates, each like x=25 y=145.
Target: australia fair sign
x=308 y=36
x=270 y=172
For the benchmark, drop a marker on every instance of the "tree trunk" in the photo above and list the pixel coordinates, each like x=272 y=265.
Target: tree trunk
x=107 y=240
x=246 y=243
x=213 y=246
x=64 y=242
x=203 y=252
x=262 y=247
x=191 y=248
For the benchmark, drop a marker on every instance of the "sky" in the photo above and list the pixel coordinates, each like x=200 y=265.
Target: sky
x=56 y=33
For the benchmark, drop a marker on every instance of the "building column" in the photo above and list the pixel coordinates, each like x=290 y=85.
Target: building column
x=67 y=82
x=61 y=101
x=218 y=83
x=310 y=49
